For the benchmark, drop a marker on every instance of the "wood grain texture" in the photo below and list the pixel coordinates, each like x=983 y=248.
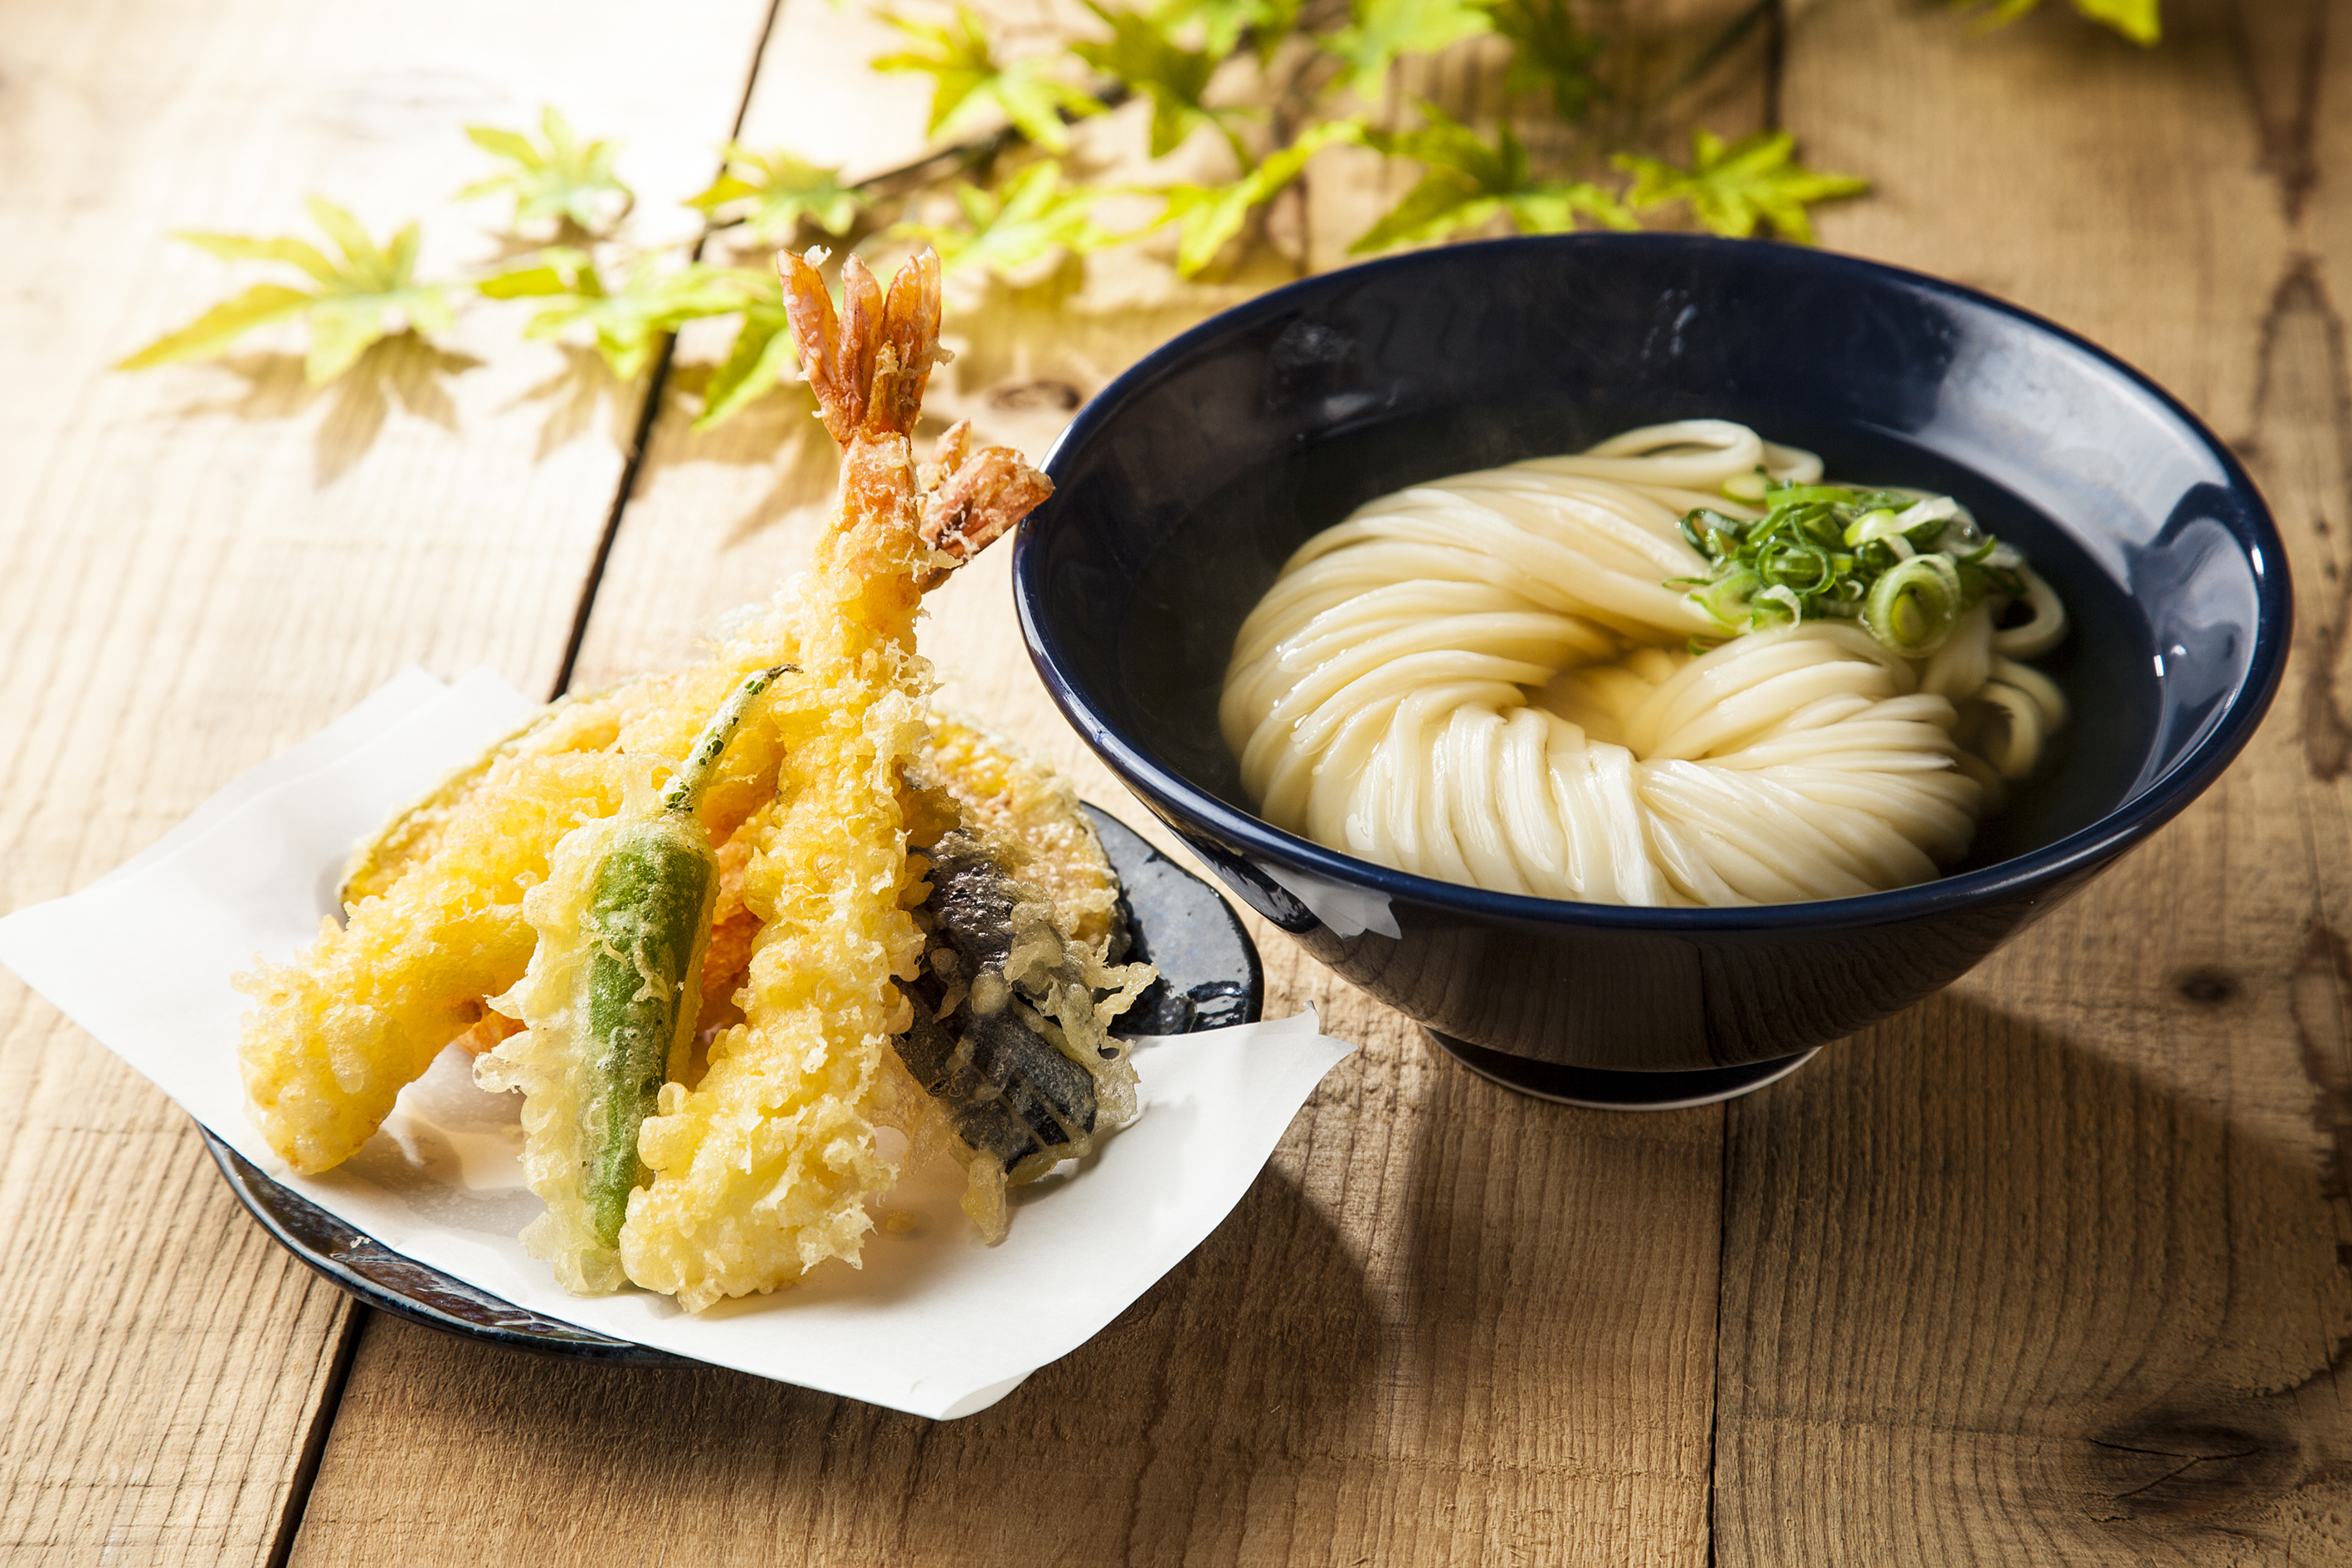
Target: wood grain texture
x=203 y=565
x=1670 y=67
x=2054 y=1268
x=1448 y=1324
x=2050 y=1270
x=1360 y=1365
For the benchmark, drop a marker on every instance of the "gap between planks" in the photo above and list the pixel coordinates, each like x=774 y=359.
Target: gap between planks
x=649 y=412
x=1774 y=67
x=355 y=1320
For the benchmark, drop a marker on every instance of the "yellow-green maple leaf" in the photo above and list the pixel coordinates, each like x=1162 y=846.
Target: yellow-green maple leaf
x=1380 y=30
x=626 y=322
x=366 y=293
x=2138 y=20
x=559 y=179
x=1208 y=217
x=1731 y=186
x=1223 y=23
x=762 y=352
x=971 y=83
x=770 y=193
x=1549 y=51
x=1141 y=54
x=1471 y=180
x=1037 y=215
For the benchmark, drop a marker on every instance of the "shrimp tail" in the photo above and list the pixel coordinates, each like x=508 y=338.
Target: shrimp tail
x=971 y=498
x=869 y=364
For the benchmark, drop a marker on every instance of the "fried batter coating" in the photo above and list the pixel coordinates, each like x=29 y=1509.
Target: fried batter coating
x=762 y=1161
x=1032 y=820
x=366 y=1007
x=435 y=922
x=1057 y=928
x=762 y=1169
x=543 y=1061
x=1008 y=1035
x=377 y=862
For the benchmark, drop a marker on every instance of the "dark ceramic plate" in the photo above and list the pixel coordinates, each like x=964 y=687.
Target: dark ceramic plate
x=1209 y=977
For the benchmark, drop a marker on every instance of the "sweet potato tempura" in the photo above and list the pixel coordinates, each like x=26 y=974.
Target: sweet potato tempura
x=364 y=1010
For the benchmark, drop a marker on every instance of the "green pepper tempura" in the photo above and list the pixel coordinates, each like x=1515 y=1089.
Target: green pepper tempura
x=1906 y=566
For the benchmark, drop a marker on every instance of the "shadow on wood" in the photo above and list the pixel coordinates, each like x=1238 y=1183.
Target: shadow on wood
x=578 y=395
x=1993 y=1296
x=403 y=369
x=1550 y=1330
x=1242 y=1364
x=778 y=432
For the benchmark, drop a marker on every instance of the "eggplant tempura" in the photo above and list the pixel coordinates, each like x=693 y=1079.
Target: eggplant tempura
x=873 y=916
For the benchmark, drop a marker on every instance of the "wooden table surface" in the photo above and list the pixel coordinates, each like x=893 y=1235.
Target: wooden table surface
x=2056 y=1269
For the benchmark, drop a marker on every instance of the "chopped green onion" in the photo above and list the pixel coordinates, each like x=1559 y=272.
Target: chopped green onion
x=1935 y=509
x=1836 y=495
x=1914 y=608
x=1805 y=568
x=1750 y=488
x=1906 y=566
x=1727 y=596
x=1874 y=525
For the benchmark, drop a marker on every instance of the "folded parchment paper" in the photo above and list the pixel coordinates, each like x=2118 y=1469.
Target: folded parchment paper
x=934 y=1323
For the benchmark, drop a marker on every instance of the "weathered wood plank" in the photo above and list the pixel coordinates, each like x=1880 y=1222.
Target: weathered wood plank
x=1449 y=1324
x=1361 y=1364
x=204 y=565
x=2049 y=1270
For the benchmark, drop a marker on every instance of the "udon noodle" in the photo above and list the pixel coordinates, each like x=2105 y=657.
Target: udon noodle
x=1501 y=679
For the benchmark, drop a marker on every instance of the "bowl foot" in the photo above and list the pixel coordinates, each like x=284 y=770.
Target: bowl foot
x=1605 y=1088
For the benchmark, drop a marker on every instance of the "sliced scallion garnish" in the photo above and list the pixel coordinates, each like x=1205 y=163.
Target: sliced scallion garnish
x=1907 y=567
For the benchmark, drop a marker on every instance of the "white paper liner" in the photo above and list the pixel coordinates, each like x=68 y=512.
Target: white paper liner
x=934 y=1323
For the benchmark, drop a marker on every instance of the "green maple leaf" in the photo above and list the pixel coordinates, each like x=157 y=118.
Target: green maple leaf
x=770 y=193
x=366 y=294
x=1223 y=23
x=762 y=353
x=560 y=180
x=628 y=323
x=971 y=83
x=1380 y=30
x=2134 y=19
x=1036 y=215
x=1208 y=217
x=1471 y=180
x=2138 y=20
x=1141 y=54
x=1549 y=51
x=1731 y=186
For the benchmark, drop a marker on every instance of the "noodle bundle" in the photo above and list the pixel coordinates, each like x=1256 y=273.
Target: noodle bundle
x=1495 y=679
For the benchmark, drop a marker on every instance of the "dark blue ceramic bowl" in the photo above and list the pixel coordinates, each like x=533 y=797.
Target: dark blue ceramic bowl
x=1183 y=488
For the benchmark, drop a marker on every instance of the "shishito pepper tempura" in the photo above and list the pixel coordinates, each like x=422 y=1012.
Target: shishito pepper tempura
x=873 y=917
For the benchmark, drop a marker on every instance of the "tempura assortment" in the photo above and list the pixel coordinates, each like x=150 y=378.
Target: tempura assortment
x=719 y=926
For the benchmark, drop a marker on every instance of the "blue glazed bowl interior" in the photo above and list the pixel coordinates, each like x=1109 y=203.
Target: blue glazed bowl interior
x=1183 y=488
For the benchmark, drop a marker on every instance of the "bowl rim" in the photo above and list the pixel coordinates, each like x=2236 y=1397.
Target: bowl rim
x=2079 y=852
